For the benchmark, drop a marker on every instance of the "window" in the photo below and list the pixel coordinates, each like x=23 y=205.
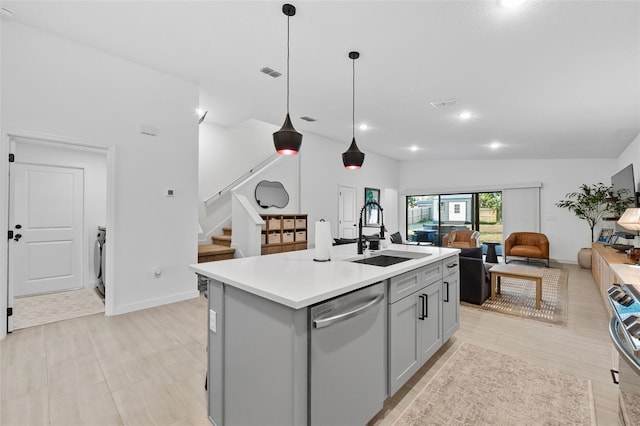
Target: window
x=430 y=217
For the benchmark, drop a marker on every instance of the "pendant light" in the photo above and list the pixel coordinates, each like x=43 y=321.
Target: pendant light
x=287 y=140
x=353 y=157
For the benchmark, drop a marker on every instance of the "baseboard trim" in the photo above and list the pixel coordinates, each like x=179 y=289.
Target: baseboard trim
x=152 y=303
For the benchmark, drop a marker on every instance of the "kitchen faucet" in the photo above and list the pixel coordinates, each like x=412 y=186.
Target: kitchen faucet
x=369 y=204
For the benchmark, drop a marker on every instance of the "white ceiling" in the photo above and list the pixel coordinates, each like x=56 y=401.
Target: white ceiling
x=551 y=79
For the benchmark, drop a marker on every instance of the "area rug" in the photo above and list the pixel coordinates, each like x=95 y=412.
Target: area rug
x=518 y=297
x=31 y=311
x=477 y=386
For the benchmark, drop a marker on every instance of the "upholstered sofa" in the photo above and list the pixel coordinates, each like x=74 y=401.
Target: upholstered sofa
x=529 y=245
x=475 y=281
x=461 y=238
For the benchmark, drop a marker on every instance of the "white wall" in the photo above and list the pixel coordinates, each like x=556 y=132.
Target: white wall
x=311 y=178
x=566 y=233
x=94 y=166
x=631 y=155
x=57 y=87
x=226 y=154
x=322 y=173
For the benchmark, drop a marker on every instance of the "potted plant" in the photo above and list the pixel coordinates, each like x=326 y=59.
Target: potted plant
x=592 y=203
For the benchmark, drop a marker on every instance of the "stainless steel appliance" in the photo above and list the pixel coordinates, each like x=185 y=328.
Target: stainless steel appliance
x=347 y=383
x=99 y=250
x=624 y=329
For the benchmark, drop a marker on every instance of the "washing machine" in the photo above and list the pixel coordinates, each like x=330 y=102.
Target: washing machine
x=99 y=250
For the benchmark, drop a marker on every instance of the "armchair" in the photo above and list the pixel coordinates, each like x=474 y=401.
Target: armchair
x=529 y=245
x=461 y=238
x=475 y=282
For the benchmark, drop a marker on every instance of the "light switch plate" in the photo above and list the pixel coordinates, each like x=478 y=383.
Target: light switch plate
x=212 y=320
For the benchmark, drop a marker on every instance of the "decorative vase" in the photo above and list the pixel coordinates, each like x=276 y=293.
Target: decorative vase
x=584 y=258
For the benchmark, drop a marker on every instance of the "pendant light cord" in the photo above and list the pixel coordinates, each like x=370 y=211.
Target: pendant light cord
x=353 y=109
x=288 y=64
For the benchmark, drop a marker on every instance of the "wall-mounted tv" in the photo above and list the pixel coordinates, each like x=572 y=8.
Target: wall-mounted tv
x=624 y=180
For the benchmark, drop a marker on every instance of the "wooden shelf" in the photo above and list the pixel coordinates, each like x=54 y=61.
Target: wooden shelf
x=284 y=232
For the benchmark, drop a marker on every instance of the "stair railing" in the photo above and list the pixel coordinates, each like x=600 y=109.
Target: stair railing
x=243 y=178
x=247 y=227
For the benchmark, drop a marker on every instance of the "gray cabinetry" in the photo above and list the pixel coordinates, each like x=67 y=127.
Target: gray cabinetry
x=404 y=350
x=271 y=364
x=430 y=320
x=257 y=371
x=450 y=298
x=415 y=321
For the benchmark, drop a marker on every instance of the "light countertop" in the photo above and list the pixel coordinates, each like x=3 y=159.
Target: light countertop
x=295 y=280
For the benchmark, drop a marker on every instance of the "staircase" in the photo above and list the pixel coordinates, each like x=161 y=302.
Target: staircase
x=219 y=250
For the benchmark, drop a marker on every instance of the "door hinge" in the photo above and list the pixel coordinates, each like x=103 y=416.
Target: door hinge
x=12 y=158
x=10 y=235
x=9 y=312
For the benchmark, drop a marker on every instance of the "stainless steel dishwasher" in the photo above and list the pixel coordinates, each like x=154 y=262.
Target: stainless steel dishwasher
x=347 y=358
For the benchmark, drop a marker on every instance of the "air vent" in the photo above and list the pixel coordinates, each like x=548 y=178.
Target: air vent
x=268 y=71
x=442 y=104
x=309 y=119
x=7 y=12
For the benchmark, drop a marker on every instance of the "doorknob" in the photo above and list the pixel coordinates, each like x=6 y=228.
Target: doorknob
x=17 y=237
x=18 y=226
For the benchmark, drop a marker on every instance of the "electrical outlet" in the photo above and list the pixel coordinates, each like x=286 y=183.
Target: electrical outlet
x=212 y=320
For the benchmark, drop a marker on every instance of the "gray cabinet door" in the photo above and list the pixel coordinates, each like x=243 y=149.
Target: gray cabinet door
x=404 y=347
x=450 y=305
x=430 y=322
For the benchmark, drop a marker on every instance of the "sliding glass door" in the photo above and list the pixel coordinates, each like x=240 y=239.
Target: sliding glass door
x=430 y=217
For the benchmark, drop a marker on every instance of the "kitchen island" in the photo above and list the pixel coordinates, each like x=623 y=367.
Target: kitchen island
x=268 y=359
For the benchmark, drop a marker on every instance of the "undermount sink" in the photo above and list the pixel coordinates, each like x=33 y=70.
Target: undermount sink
x=405 y=254
x=390 y=257
x=381 y=260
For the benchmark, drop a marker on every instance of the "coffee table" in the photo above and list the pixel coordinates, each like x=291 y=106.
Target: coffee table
x=519 y=272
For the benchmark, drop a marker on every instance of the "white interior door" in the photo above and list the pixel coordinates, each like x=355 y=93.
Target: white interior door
x=347 y=216
x=46 y=216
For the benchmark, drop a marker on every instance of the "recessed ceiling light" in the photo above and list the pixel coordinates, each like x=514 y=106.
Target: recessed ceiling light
x=495 y=145
x=364 y=126
x=414 y=148
x=442 y=104
x=199 y=111
x=7 y=12
x=511 y=3
x=464 y=115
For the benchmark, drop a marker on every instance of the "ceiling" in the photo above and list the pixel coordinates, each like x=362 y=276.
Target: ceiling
x=550 y=79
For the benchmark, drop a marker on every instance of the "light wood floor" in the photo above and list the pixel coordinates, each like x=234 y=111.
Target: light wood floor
x=148 y=367
x=583 y=348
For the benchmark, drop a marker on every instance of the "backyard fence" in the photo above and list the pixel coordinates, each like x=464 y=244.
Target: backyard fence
x=418 y=214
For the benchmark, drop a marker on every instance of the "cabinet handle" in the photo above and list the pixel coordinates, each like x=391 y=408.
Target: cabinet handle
x=452 y=265
x=447 y=298
x=426 y=305
x=421 y=317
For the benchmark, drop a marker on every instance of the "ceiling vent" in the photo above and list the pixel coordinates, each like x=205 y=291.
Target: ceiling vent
x=442 y=104
x=309 y=119
x=272 y=73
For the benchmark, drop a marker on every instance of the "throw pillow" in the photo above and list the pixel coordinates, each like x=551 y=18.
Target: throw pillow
x=452 y=236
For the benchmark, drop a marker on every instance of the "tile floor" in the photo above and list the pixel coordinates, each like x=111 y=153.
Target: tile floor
x=148 y=367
